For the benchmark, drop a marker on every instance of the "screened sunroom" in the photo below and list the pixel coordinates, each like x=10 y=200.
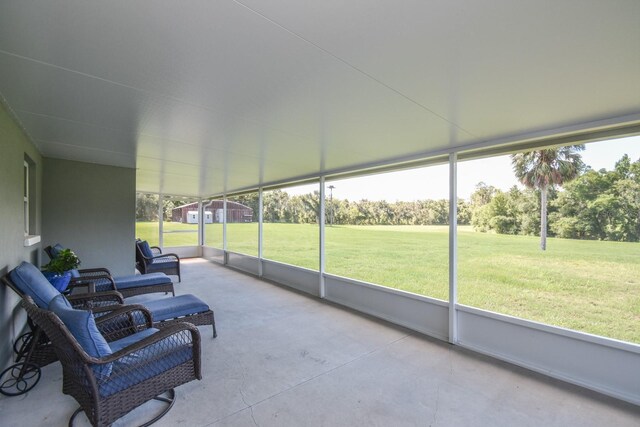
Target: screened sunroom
x=374 y=185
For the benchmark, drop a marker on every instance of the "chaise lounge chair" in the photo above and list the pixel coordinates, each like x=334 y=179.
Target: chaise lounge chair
x=128 y=286
x=150 y=259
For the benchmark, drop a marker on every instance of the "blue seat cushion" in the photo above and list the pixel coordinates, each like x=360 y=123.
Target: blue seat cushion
x=145 y=363
x=168 y=261
x=145 y=249
x=137 y=280
x=118 y=345
x=172 y=307
x=32 y=282
x=82 y=326
x=162 y=266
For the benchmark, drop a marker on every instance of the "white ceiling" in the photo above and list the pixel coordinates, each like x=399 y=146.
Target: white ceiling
x=210 y=96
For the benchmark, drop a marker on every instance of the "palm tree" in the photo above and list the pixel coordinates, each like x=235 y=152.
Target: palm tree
x=544 y=169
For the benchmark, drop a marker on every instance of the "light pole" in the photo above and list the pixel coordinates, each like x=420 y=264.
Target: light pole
x=331 y=187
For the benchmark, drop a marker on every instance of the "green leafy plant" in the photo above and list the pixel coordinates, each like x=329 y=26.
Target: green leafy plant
x=65 y=261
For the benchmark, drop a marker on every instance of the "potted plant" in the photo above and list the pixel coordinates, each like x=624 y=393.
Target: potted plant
x=58 y=271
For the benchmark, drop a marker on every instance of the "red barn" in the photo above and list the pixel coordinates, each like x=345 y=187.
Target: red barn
x=213 y=212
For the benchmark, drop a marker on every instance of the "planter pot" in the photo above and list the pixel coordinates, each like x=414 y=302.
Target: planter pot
x=59 y=281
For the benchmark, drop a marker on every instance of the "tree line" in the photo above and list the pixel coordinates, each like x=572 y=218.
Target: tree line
x=596 y=205
x=603 y=205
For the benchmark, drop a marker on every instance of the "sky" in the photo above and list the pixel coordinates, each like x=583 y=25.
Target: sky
x=433 y=182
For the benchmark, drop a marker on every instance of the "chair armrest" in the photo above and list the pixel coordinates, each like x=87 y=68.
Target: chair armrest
x=123 y=320
x=80 y=283
x=98 y=278
x=93 y=271
x=156 y=248
x=95 y=299
x=119 y=310
x=180 y=331
x=177 y=258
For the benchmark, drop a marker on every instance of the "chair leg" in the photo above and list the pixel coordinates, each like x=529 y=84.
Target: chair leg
x=169 y=400
x=19 y=378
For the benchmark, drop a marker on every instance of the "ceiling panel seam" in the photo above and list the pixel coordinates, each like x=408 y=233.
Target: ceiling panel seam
x=355 y=68
x=84 y=147
x=16 y=118
x=138 y=134
x=153 y=94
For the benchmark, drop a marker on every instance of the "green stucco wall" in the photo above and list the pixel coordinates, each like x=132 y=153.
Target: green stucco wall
x=13 y=147
x=91 y=209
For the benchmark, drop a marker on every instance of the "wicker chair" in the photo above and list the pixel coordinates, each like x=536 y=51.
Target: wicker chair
x=150 y=259
x=102 y=280
x=144 y=363
x=34 y=350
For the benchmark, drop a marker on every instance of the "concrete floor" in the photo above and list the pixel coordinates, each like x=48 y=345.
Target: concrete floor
x=285 y=359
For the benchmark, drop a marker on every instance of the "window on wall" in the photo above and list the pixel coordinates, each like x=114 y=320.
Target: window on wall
x=213 y=222
x=290 y=225
x=584 y=274
x=391 y=229
x=180 y=225
x=28 y=199
x=25 y=198
x=242 y=223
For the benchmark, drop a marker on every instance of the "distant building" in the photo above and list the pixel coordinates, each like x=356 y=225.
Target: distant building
x=213 y=212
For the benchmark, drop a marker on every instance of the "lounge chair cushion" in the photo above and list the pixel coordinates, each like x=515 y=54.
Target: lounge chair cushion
x=145 y=248
x=153 y=359
x=173 y=307
x=159 y=265
x=82 y=326
x=32 y=282
x=136 y=280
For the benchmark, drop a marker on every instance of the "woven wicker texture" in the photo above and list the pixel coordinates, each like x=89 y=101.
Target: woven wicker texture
x=168 y=264
x=110 y=387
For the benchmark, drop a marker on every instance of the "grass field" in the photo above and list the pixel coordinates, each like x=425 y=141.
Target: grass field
x=589 y=286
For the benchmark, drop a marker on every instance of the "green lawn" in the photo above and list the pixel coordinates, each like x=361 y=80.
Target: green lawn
x=589 y=286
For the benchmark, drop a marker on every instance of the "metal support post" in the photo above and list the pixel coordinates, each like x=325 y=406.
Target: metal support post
x=322 y=238
x=224 y=228
x=260 y=237
x=160 y=222
x=201 y=222
x=453 y=248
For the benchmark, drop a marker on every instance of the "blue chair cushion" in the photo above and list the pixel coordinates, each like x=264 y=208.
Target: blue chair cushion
x=56 y=249
x=135 y=367
x=172 y=307
x=82 y=326
x=158 y=265
x=165 y=261
x=118 y=345
x=59 y=303
x=145 y=249
x=137 y=280
x=32 y=282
